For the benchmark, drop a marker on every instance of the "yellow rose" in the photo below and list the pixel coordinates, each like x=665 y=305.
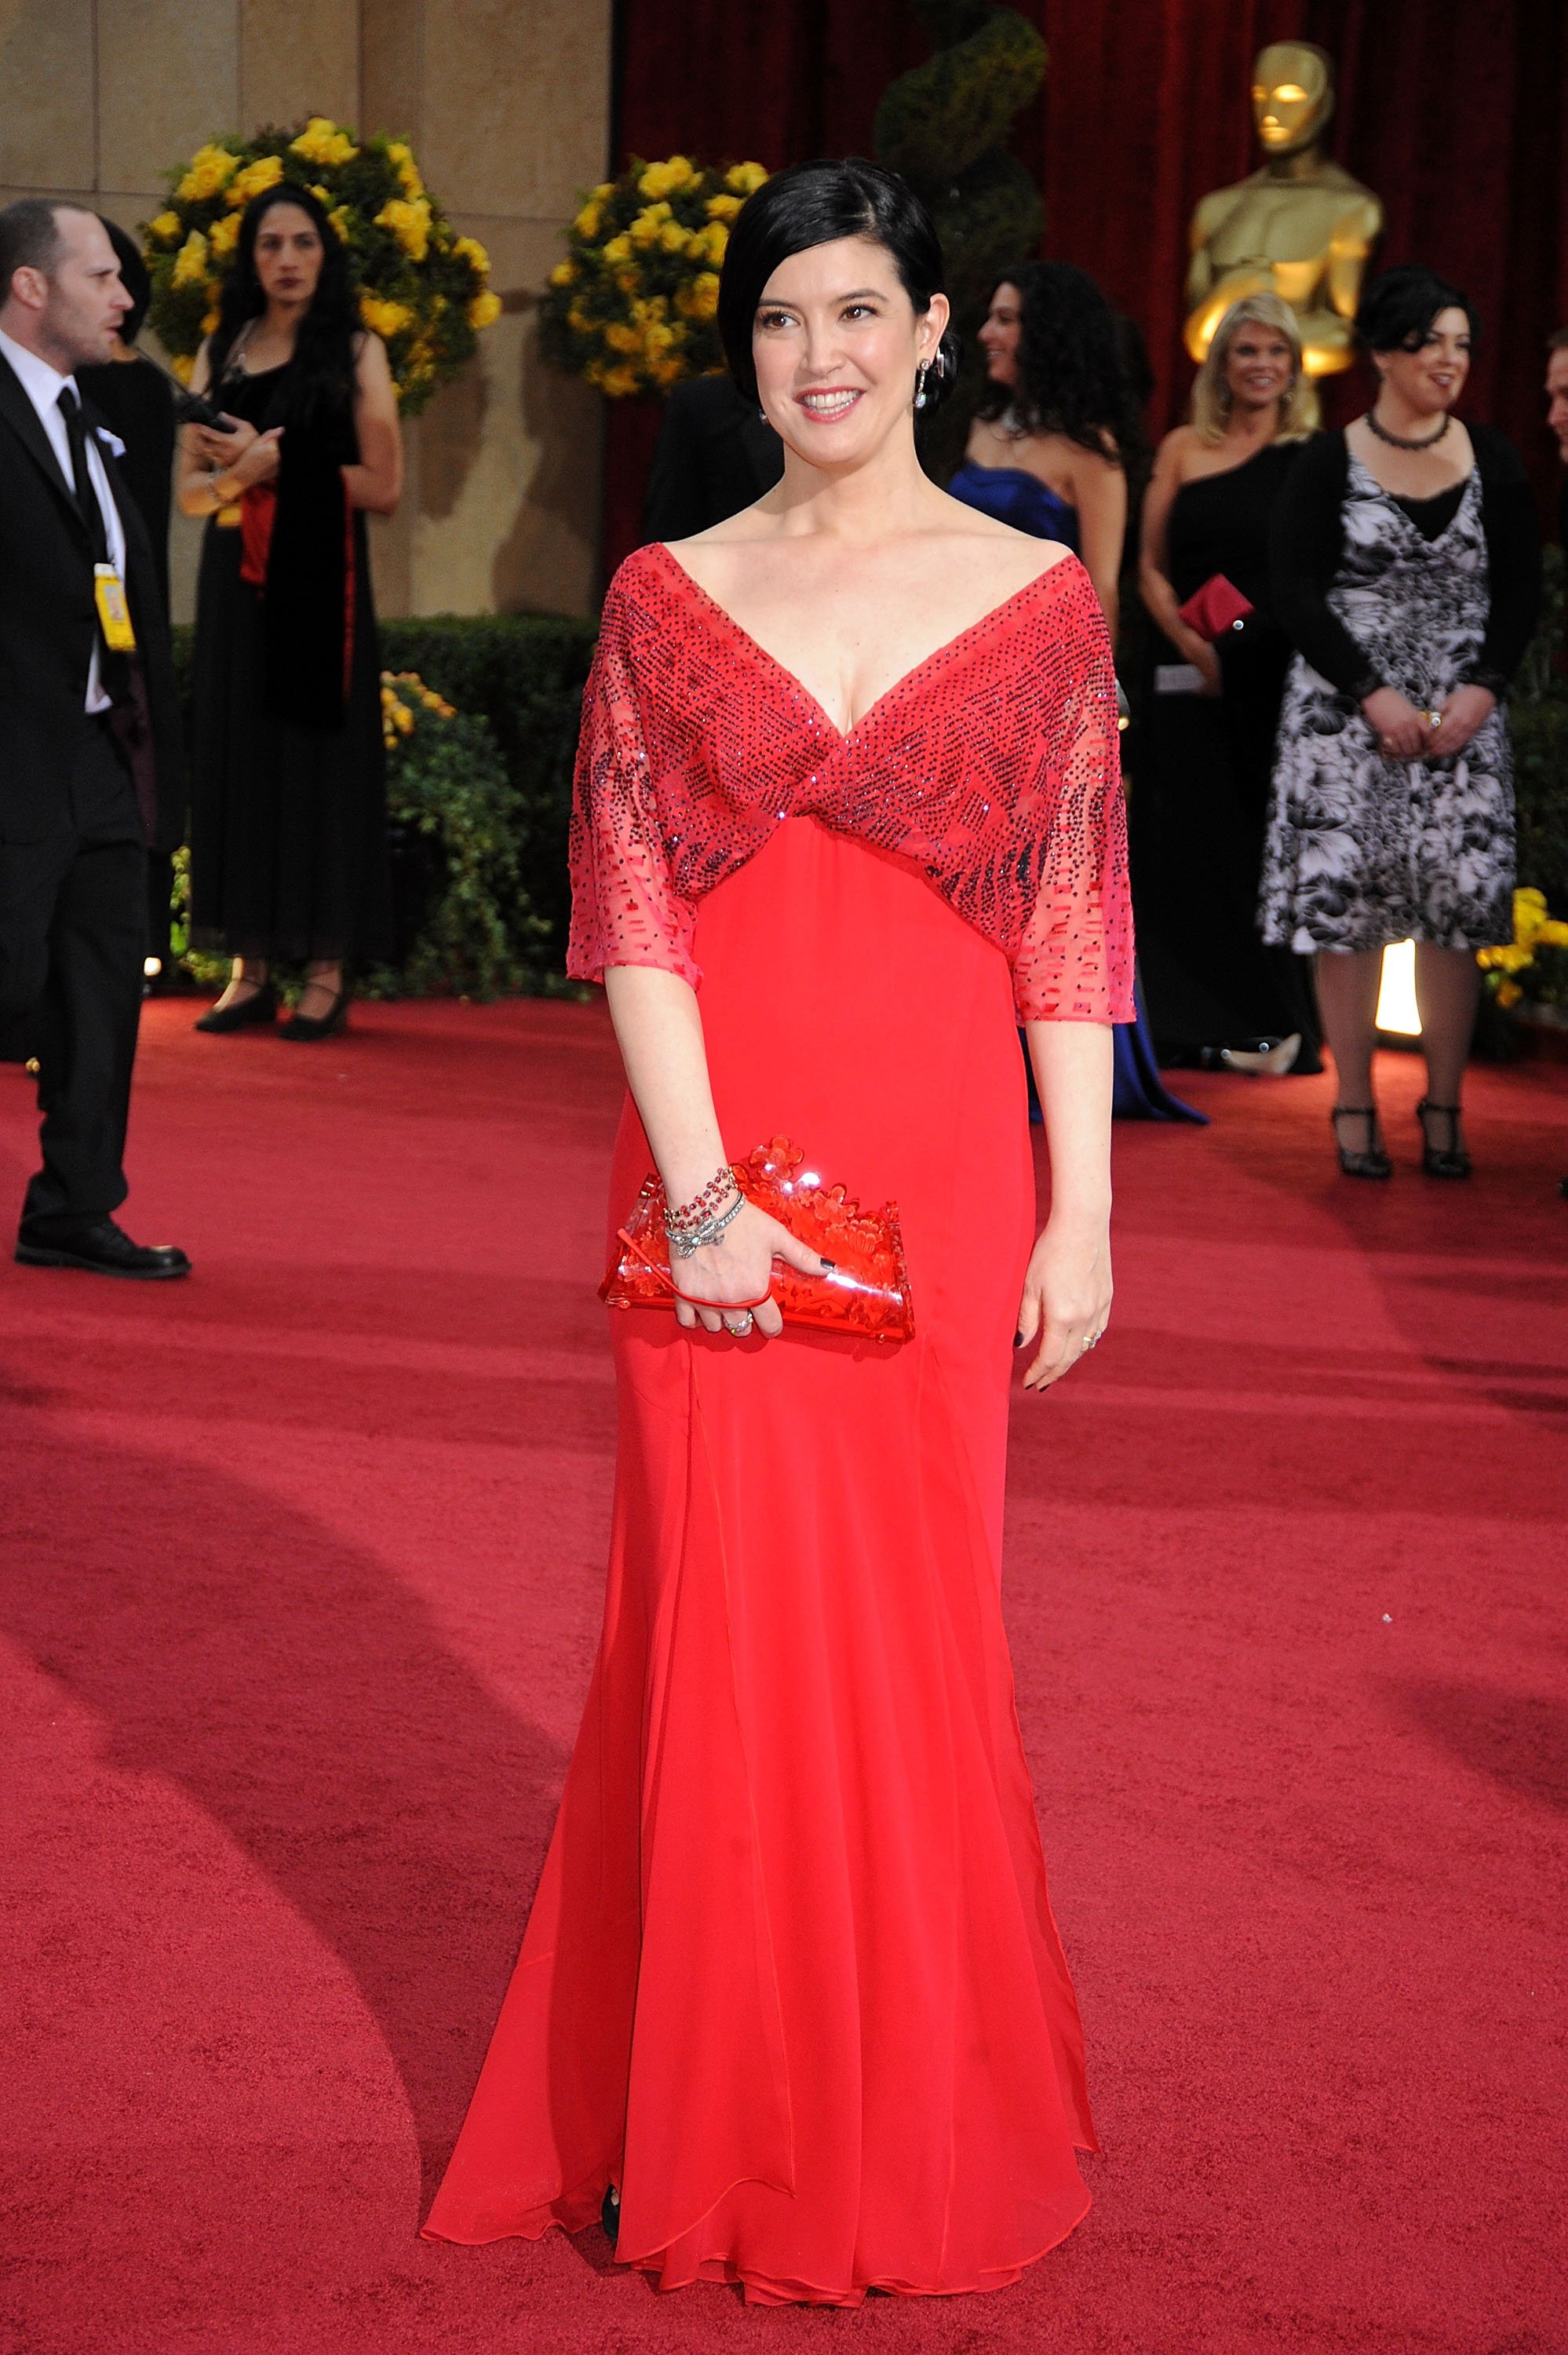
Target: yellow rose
x=564 y=273
x=474 y=253
x=621 y=383
x=1552 y=934
x=341 y=220
x=409 y=222
x=383 y=318
x=627 y=280
x=605 y=190
x=578 y=319
x=484 y=310
x=700 y=299
x=400 y=155
x=1528 y=912
x=209 y=169
x=190 y=263
x=223 y=236
x=723 y=208
x=661 y=180
x=321 y=142
x=745 y=178
x=617 y=249
x=649 y=224
x=622 y=338
x=587 y=223
x=265 y=173
x=165 y=228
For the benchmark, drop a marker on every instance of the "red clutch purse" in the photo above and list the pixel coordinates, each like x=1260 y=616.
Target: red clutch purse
x=866 y=1294
x=1214 y=608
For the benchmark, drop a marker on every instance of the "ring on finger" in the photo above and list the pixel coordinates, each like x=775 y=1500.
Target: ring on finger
x=741 y=1326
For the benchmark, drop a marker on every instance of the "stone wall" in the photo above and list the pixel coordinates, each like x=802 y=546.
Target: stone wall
x=507 y=104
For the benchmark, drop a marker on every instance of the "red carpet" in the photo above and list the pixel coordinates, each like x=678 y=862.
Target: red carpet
x=301 y=1587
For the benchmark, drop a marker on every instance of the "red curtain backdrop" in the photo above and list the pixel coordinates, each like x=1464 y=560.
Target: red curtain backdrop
x=1453 y=114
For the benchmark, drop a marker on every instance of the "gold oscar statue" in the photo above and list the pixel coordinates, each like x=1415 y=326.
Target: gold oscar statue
x=1299 y=227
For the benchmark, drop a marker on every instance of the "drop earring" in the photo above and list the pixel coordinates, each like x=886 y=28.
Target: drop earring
x=921 y=373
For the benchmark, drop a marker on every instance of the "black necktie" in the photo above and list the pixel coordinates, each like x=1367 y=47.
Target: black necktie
x=113 y=669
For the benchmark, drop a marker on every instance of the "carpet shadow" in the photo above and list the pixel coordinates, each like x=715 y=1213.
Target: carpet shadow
x=1519 y=1740
x=310 y=1705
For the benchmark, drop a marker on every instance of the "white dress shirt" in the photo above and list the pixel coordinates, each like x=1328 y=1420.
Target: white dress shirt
x=43 y=385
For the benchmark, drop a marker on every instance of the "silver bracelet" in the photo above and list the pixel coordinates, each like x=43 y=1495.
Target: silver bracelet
x=682 y=1246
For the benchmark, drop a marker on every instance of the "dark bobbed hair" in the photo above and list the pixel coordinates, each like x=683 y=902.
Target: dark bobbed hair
x=322 y=377
x=135 y=277
x=1398 y=308
x=817 y=204
x=1071 y=377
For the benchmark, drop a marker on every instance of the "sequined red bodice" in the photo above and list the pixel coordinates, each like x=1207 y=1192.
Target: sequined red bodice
x=992 y=767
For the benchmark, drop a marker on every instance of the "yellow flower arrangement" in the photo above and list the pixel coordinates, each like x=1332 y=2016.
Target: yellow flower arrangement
x=632 y=308
x=1517 y=970
x=419 y=284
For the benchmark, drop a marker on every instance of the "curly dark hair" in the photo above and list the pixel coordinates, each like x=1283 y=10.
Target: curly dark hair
x=1396 y=311
x=1070 y=378
x=322 y=380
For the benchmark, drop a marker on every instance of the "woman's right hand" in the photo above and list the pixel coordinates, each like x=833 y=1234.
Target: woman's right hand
x=740 y=1267
x=222 y=450
x=259 y=461
x=1401 y=730
x=1203 y=659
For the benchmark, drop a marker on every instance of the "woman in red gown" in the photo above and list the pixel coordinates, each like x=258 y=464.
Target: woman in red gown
x=791 y=2009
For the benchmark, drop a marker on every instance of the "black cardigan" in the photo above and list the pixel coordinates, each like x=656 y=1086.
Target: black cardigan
x=1308 y=544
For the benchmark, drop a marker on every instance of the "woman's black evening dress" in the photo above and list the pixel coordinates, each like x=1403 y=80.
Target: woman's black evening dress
x=289 y=854
x=1202 y=769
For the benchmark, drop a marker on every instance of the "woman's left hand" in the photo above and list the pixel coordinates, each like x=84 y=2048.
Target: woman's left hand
x=1066 y=1296
x=1467 y=709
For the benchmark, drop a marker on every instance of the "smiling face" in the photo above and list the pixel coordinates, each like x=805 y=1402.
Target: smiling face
x=1557 y=401
x=836 y=343
x=1431 y=377
x=1259 y=366
x=998 y=336
x=1291 y=97
x=289 y=255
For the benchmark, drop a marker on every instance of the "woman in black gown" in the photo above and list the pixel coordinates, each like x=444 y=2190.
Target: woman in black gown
x=289 y=828
x=1203 y=759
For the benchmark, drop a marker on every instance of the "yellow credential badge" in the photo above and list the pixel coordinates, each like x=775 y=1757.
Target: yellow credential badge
x=113 y=613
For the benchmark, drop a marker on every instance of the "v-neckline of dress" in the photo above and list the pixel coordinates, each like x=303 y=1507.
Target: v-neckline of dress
x=842 y=736
x=1390 y=498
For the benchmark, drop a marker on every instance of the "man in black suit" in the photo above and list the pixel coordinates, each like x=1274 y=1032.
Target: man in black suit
x=714 y=455
x=90 y=773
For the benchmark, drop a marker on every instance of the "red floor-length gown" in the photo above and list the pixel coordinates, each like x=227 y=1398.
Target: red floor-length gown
x=791 y=1980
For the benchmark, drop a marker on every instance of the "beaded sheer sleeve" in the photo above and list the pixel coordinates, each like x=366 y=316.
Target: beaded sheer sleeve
x=992 y=766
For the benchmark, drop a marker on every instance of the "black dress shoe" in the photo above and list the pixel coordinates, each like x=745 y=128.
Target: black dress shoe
x=609 y=2215
x=319 y=1025
x=261 y=1005
x=103 y=1249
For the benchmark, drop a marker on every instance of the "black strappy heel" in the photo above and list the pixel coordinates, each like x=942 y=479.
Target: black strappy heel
x=1374 y=1162
x=1450 y=1160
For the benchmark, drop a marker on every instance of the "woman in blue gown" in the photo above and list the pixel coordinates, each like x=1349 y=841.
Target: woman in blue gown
x=1045 y=455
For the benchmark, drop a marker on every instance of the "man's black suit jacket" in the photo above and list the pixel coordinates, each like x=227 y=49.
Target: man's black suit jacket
x=46 y=623
x=715 y=456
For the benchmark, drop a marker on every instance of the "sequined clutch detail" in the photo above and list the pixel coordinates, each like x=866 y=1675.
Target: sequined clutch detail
x=866 y=1294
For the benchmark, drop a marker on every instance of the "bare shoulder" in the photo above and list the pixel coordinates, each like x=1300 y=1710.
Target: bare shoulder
x=1177 y=450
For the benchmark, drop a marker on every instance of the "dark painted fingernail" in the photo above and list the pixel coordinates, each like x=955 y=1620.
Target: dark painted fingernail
x=1018 y=1340
x=830 y=1267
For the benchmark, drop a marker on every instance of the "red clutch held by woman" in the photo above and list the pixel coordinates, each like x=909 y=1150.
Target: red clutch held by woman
x=791 y=2005
x=864 y=1287
x=1216 y=607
